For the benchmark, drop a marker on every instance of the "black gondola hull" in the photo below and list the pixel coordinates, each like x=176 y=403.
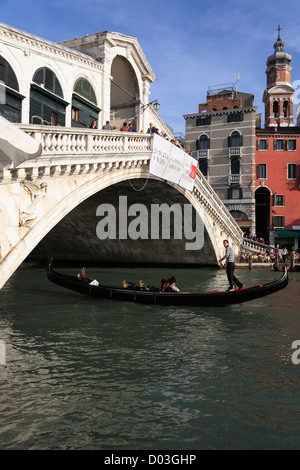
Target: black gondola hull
x=166 y=298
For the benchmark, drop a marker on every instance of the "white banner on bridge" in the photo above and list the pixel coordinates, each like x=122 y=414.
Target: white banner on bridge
x=172 y=164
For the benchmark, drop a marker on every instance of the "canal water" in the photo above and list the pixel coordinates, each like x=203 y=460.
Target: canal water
x=95 y=374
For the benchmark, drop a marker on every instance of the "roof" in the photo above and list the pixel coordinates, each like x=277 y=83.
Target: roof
x=46 y=41
x=278 y=131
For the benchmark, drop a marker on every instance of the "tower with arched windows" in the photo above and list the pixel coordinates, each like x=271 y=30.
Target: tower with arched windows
x=278 y=96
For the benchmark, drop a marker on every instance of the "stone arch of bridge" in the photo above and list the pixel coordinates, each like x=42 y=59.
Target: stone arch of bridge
x=83 y=191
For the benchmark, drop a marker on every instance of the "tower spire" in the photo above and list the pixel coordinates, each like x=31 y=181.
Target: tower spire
x=278 y=96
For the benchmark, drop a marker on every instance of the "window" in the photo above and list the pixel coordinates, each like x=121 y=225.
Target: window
x=285 y=109
x=84 y=104
x=262 y=171
x=47 y=79
x=262 y=144
x=292 y=171
x=235 y=117
x=278 y=200
x=46 y=99
x=202 y=162
x=235 y=166
x=278 y=221
x=235 y=193
x=291 y=144
x=203 y=143
x=235 y=140
x=203 y=121
x=84 y=89
x=75 y=114
x=275 y=109
x=10 y=99
x=279 y=144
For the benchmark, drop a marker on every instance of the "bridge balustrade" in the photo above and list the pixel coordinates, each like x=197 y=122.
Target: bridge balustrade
x=61 y=141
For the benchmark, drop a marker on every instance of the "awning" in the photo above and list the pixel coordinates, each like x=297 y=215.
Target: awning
x=15 y=145
x=288 y=233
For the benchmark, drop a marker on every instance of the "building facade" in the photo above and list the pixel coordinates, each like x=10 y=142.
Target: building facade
x=254 y=170
x=277 y=158
x=222 y=138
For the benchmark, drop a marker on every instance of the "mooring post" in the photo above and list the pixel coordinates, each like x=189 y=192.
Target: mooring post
x=292 y=258
x=250 y=262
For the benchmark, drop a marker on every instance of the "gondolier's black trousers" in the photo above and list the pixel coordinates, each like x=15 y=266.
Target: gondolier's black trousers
x=230 y=267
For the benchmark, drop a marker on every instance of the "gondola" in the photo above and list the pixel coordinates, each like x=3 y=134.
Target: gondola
x=212 y=298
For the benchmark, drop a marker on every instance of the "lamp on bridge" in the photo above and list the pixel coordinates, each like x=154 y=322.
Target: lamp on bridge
x=154 y=103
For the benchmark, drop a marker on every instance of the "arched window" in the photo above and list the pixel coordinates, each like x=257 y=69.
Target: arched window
x=10 y=98
x=235 y=139
x=47 y=79
x=203 y=143
x=84 y=104
x=46 y=99
x=285 y=109
x=275 y=109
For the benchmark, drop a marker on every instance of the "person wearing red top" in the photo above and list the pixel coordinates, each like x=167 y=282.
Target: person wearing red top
x=125 y=128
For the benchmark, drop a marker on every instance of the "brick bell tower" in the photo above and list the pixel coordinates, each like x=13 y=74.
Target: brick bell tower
x=278 y=96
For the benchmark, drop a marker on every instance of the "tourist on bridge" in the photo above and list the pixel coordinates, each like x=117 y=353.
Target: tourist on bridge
x=107 y=126
x=125 y=128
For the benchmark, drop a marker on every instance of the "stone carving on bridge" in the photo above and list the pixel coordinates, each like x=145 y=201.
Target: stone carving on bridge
x=37 y=193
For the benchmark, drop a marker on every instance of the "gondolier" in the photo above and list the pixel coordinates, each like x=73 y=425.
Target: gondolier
x=230 y=267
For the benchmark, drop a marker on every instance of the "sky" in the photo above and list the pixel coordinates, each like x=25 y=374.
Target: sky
x=190 y=45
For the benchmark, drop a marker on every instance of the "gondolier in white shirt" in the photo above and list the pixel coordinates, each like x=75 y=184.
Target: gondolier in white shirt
x=230 y=267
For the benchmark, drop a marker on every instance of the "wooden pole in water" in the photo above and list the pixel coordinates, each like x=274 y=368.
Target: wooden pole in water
x=292 y=258
x=250 y=262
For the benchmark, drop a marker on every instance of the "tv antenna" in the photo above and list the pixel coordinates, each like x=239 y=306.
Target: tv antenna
x=237 y=79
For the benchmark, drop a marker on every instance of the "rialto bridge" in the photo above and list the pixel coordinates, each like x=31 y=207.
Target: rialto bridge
x=48 y=205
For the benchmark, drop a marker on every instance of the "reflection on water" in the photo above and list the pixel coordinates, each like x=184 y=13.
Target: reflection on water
x=94 y=374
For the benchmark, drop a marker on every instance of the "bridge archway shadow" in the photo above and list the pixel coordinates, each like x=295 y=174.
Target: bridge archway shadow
x=75 y=238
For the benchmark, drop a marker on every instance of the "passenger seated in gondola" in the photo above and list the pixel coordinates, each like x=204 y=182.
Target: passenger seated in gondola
x=82 y=274
x=170 y=285
x=128 y=285
x=162 y=284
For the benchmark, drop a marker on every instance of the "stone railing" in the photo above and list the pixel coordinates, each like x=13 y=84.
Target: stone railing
x=204 y=153
x=72 y=141
x=256 y=247
x=235 y=151
x=216 y=207
x=234 y=179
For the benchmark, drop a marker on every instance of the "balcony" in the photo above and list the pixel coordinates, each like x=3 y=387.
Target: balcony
x=204 y=153
x=235 y=151
x=234 y=179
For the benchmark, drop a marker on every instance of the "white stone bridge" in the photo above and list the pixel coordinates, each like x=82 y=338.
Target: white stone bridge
x=77 y=165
